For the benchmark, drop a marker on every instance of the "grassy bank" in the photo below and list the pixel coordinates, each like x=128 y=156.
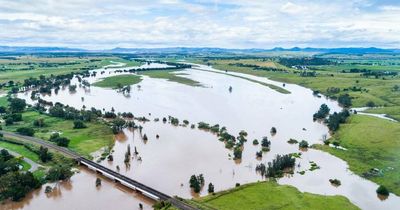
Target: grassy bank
x=170 y=75
x=3 y=101
x=392 y=112
x=20 y=149
x=274 y=87
x=83 y=141
x=375 y=90
x=371 y=143
x=118 y=81
x=270 y=195
x=23 y=67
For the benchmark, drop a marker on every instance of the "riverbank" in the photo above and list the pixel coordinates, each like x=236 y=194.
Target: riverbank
x=372 y=149
x=270 y=195
x=84 y=141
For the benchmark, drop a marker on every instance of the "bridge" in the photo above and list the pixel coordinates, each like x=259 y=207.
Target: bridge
x=111 y=174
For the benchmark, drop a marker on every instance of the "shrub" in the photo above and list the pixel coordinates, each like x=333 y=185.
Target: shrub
x=292 y=141
x=322 y=112
x=78 y=124
x=335 y=182
x=303 y=144
x=39 y=122
x=26 y=131
x=273 y=131
x=382 y=190
x=255 y=142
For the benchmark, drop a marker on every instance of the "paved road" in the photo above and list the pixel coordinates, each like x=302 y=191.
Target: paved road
x=34 y=165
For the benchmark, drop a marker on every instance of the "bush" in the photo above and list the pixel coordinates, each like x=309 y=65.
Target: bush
x=303 y=144
x=78 y=124
x=335 y=182
x=26 y=131
x=370 y=104
x=255 y=142
x=382 y=190
x=322 y=113
x=39 y=122
x=345 y=100
x=60 y=141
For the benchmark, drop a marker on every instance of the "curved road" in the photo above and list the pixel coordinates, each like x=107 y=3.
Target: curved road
x=34 y=165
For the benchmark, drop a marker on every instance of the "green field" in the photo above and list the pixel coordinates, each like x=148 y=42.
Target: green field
x=170 y=75
x=371 y=143
x=118 y=81
x=270 y=195
x=83 y=141
x=392 y=112
x=378 y=91
x=20 y=149
x=24 y=67
x=3 y=101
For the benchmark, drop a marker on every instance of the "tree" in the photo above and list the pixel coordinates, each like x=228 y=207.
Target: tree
x=303 y=144
x=17 y=105
x=196 y=182
x=210 y=188
x=98 y=182
x=59 y=172
x=78 y=124
x=60 y=141
x=44 y=154
x=16 y=185
x=382 y=190
x=237 y=153
x=273 y=130
x=39 y=122
x=322 y=113
x=265 y=143
x=26 y=131
x=345 y=100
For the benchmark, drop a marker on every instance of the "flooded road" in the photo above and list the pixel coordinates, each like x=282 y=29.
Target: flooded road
x=167 y=163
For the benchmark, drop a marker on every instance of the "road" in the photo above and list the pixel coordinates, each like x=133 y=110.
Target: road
x=34 y=165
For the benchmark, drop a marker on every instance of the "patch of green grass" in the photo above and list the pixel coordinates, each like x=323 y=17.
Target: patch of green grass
x=40 y=174
x=118 y=81
x=371 y=143
x=392 y=112
x=24 y=67
x=20 y=149
x=84 y=141
x=378 y=91
x=170 y=75
x=274 y=87
x=3 y=101
x=270 y=195
x=25 y=166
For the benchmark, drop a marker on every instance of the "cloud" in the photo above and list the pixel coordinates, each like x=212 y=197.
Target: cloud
x=103 y=24
x=291 y=8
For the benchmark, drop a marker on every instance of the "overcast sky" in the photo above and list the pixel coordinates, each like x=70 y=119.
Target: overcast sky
x=101 y=24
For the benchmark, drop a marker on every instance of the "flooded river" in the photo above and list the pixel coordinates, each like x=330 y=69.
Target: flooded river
x=167 y=163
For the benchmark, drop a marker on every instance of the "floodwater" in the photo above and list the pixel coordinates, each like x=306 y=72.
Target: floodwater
x=81 y=193
x=167 y=163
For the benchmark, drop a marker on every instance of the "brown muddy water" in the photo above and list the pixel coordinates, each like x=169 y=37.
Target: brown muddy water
x=81 y=193
x=167 y=163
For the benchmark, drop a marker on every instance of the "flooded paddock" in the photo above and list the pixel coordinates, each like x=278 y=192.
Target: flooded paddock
x=167 y=163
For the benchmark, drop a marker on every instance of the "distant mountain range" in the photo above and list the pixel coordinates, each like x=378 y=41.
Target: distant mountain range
x=199 y=50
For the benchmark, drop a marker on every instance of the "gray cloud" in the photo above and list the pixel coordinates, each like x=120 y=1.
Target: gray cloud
x=239 y=24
